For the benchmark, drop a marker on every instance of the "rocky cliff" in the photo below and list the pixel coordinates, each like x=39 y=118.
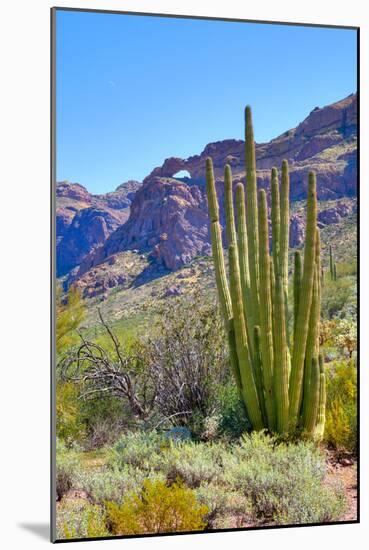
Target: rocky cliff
x=84 y=221
x=168 y=215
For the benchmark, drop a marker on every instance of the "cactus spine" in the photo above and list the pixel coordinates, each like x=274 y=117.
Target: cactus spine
x=278 y=369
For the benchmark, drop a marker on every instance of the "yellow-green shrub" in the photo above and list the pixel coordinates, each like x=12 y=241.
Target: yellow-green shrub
x=341 y=413
x=157 y=509
x=69 y=425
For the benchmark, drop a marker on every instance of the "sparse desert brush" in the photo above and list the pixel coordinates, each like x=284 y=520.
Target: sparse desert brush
x=284 y=482
x=194 y=463
x=113 y=484
x=139 y=449
x=341 y=413
x=67 y=468
x=227 y=508
x=339 y=298
x=157 y=508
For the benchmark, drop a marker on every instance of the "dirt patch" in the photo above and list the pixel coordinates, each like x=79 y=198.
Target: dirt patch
x=342 y=470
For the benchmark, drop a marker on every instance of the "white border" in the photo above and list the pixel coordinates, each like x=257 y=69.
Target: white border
x=24 y=285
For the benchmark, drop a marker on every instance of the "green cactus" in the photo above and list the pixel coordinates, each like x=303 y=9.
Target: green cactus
x=305 y=298
x=296 y=286
x=331 y=263
x=278 y=370
x=265 y=309
x=320 y=424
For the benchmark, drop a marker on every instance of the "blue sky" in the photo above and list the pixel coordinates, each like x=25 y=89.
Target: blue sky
x=134 y=90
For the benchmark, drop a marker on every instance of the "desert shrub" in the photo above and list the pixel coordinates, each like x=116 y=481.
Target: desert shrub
x=151 y=452
x=77 y=518
x=104 y=419
x=284 y=482
x=345 y=269
x=69 y=425
x=311 y=504
x=115 y=484
x=108 y=372
x=67 y=465
x=157 y=508
x=339 y=298
x=193 y=463
x=188 y=362
x=139 y=449
x=341 y=408
x=226 y=508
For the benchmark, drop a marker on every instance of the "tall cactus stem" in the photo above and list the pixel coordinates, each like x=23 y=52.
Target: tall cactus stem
x=248 y=382
x=281 y=367
x=258 y=373
x=265 y=308
x=311 y=344
x=312 y=411
x=211 y=192
x=276 y=221
x=220 y=272
x=252 y=213
x=302 y=324
x=243 y=257
x=228 y=203
x=284 y=236
x=331 y=262
x=297 y=276
x=320 y=424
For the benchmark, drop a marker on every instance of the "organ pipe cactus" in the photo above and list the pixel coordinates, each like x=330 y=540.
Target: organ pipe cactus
x=277 y=366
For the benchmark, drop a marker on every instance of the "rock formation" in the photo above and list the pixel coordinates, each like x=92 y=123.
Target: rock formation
x=168 y=217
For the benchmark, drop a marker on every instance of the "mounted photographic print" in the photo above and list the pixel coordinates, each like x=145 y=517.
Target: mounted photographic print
x=204 y=269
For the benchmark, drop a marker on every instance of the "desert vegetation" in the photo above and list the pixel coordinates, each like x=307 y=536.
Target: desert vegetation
x=215 y=409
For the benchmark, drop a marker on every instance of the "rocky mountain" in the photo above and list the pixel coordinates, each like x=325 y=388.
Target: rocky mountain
x=168 y=216
x=84 y=221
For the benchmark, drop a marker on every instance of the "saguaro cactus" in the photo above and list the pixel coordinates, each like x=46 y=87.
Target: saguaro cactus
x=278 y=369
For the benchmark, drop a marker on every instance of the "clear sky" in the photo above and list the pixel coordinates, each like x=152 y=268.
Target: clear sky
x=134 y=90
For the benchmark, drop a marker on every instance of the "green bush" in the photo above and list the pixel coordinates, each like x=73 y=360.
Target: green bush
x=77 y=519
x=341 y=411
x=157 y=508
x=69 y=425
x=339 y=298
x=104 y=419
